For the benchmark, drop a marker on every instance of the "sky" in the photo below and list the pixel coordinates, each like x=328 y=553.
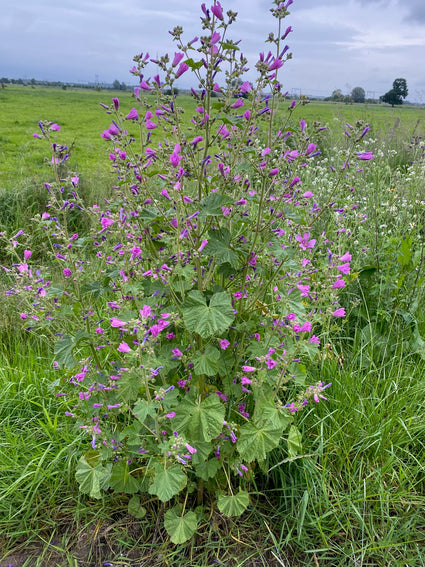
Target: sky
x=336 y=44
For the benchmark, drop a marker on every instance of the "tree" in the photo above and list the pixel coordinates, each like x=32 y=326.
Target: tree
x=396 y=94
x=116 y=85
x=337 y=95
x=358 y=94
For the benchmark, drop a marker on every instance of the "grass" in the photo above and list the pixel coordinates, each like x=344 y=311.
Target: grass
x=355 y=497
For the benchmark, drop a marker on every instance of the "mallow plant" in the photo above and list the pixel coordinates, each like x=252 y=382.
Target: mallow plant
x=187 y=321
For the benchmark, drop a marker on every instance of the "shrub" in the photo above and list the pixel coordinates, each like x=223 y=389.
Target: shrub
x=187 y=319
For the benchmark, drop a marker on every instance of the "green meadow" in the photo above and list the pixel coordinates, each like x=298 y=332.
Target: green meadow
x=356 y=494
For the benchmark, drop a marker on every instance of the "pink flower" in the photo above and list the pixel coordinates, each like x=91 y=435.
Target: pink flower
x=67 y=272
x=150 y=125
x=132 y=115
x=145 y=312
x=338 y=284
x=365 y=156
x=238 y=103
x=346 y=257
x=315 y=340
x=117 y=322
x=217 y=11
x=105 y=222
x=305 y=327
x=304 y=289
x=249 y=369
x=171 y=414
x=203 y=244
x=177 y=58
x=224 y=343
x=339 y=312
x=245 y=380
x=177 y=353
x=245 y=87
x=344 y=268
x=123 y=347
x=304 y=241
x=183 y=67
x=55 y=127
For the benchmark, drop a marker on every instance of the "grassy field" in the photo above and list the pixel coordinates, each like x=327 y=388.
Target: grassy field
x=357 y=496
x=82 y=121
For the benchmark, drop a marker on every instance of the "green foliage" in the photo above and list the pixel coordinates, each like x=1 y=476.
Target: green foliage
x=180 y=527
x=233 y=504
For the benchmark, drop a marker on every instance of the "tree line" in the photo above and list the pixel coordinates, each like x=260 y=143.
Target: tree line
x=394 y=96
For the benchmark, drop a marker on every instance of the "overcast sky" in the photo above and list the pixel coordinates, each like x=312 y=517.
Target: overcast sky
x=335 y=43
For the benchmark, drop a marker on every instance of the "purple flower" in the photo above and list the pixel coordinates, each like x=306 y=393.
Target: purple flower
x=346 y=257
x=55 y=127
x=116 y=103
x=132 y=115
x=304 y=241
x=365 y=156
x=238 y=103
x=215 y=37
x=177 y=58
x=339 y=312
x=150 y=125
x=217 y=11
x=344 y=268
x=67 y=272
x=224 y=343
x=248 y=369
x=177 y=353
x=277 y=64
x=338 y=284
x=245 y=87
x=182 y=69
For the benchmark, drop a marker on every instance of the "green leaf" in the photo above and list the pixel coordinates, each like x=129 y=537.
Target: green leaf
x=405 y=251
x=219 y=246
x=121 y=479
x=233 y=505
x=180 y=528
x=149 y=215
x=211 y=205
x=167 y=483
x=256 y=441
x=417 y=344
x=96 y=288
x=63 y=351
x=207 y=320
x=194 y=65
x=229 y=45
x=207 y=362
x=207 y=469
x=294 y=442
x=201 y=420
x=81 y=335
x=92 y=479
x=207 y=419
x=266 y=412
x=135 y=508
x=129 y=386
x=142 y=409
